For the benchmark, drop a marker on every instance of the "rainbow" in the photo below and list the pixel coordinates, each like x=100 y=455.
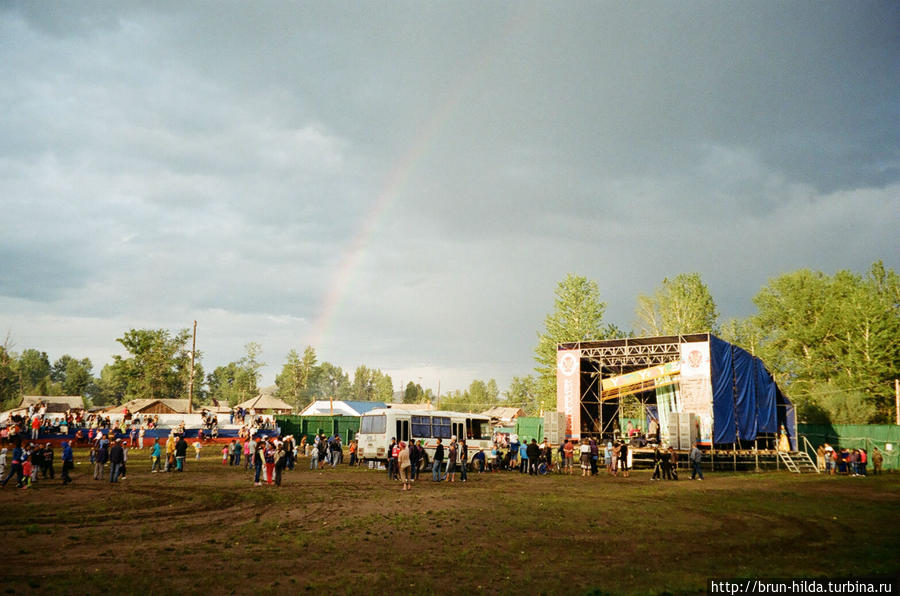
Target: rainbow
x=401 y=172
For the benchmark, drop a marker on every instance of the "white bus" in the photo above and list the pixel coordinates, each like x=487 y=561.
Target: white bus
x=376 y=428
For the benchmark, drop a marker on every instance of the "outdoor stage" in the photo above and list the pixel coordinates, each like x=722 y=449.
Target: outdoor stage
x=696 y=387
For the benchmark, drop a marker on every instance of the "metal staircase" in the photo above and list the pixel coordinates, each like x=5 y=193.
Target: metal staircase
x=798 y=462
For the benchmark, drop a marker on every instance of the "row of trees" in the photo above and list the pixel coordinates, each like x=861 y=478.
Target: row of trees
x=830 y=341
x=158 y=365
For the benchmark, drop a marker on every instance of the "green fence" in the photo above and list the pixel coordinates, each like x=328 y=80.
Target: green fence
x=530 y=427
x=346 y=426
x=886 y=437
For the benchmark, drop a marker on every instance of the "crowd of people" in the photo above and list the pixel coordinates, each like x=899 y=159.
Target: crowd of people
x=268 y=458
x=843 y=461
x=32 y=461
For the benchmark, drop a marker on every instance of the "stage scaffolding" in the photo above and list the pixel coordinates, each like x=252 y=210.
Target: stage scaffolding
x=608 y=358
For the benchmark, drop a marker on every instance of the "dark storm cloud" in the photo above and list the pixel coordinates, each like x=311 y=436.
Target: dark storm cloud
x=160 y=161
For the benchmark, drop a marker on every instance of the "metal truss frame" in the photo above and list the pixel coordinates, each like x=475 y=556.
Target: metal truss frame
x=611 y=357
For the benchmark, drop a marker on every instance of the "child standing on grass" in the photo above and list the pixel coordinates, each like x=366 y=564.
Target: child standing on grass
x=155 y=452
x=26 y=470
x=224 y=455
x=3 y=453
x=197 y=447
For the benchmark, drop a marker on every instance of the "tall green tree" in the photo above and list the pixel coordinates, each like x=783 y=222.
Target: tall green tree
x=112 y=386
x=363 y=388
x=577 y=316
x=330 y=381
x=682 y=304
x=412 y=394
x=10 y=384
x=34 y=368
x=237 y=381
x=158 y=365
x=73 y=376
x=384 y=387
x=831 y=340
x=523 y=393
x=296 y=378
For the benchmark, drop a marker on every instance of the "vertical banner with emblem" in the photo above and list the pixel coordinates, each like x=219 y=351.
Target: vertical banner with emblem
x=696 y=385
x=568 y=390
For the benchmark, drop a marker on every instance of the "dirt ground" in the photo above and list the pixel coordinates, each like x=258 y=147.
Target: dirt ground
x=352 y=531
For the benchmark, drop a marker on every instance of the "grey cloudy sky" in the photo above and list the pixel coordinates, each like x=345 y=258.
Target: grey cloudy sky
x=404 y=184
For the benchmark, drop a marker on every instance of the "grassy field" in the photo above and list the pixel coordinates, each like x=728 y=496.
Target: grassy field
x=351 y=531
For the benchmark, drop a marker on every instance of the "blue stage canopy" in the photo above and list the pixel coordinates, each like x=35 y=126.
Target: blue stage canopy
x=746 y=400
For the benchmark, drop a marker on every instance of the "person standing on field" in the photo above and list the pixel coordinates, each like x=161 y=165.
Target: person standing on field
x=116 y=460
x=181 y=447
x=170 y=453
x=100 y=458
x=452 y=454
x=877 y=461
x=257 y=462
x=438 y=460
x=405 y=465
x=155 y=453
x=68 y=462
x=696 y=457
x=463 y=461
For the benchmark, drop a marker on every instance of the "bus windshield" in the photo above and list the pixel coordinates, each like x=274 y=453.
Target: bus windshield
x=373 y=425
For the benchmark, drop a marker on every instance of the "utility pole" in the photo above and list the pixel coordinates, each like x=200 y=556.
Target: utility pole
x=897 y=398
x=191 y=386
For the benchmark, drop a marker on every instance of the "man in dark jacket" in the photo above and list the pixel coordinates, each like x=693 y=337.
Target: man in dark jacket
x=48 y=462
x=438 y=460
x=116 y=459
x=180 y=453
x=100 y=458
x=534 y=454
x=37 y=460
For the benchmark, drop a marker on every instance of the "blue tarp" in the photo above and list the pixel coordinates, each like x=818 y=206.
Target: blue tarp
x=723 y=390
x=766 y=416
x=746 y=400
x=744 y=393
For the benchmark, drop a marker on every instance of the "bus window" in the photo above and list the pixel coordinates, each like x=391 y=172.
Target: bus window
x=403 y=430
x=421 y=426
x=373 y=425
x=441 y=427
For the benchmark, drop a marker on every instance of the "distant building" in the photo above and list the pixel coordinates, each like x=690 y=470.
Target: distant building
x=340 y=407
x=151 y=406
x=56 y=404
x=265 y=403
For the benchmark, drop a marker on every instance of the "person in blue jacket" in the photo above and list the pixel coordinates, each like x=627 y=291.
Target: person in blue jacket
x=16 y=467
x=68 y=462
